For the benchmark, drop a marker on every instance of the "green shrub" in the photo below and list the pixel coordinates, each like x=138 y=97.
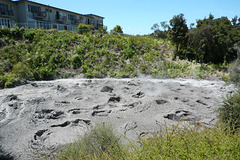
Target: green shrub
x=29 y=34
x=8 y=80
x=100 y=142
x=84 y=28
x=17 y=33
x=76 y=61
x=229 y=112
x=117 y=29
x=22 y=71
x=4 y=31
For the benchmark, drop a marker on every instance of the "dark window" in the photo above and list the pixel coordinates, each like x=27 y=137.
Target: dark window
x=3 y=8
x=34 y=8
x=72 y=17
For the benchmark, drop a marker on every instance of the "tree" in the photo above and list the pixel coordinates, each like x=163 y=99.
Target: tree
x=200 y=41
x=164 y=25
x=236 y=22
x=158 y=32
x=213 y=39
x=117 y=29
x=178 y=32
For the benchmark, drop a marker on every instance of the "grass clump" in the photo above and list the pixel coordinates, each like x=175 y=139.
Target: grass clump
x=229 y=112
x=99 y=143
x=190 y=143
x=235 y=72
x=187 y=142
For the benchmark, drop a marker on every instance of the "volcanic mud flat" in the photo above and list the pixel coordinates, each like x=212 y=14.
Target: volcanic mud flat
x=37 y=117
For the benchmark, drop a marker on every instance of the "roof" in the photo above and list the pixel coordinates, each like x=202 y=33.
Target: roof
x=86 y=15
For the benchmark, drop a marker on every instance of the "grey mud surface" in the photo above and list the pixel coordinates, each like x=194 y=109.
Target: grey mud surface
x=37 y=117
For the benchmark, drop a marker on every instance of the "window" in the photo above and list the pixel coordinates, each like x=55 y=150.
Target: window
x=72 y=17
x=54 y=26
x=3 y=8
x=5 y=22
x=34 y=8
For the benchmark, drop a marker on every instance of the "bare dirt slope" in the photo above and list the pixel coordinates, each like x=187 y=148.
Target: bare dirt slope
x=37 y=117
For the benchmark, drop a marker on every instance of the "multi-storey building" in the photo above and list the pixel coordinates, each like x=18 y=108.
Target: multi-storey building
x=25 y=13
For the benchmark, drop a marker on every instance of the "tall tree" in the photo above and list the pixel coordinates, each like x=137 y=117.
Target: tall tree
x=178 y=32
x=213 y=39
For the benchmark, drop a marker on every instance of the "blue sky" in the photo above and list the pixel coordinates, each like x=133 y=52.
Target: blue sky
x=138 y=16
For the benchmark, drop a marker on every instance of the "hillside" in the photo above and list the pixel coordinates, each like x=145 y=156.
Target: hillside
x=37 y=54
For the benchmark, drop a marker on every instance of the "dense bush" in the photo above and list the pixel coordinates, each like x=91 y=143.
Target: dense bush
x=48 y=54
x=84 y=28
x=229 y=113
x=211 y=41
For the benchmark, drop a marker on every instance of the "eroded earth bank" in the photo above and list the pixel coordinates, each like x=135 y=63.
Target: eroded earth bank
x=37 y=117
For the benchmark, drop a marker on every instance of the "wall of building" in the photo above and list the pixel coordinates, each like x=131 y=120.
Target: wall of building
x=21 y=13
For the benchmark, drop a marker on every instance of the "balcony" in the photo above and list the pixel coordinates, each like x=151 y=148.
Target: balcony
x=61 y=19
x=6 y=13
x=39 y=15
x=75 y=21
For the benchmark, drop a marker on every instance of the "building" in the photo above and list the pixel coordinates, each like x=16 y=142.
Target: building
x=25 y=13
x=8 y=10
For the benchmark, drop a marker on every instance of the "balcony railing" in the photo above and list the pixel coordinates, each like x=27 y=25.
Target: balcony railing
x=6 y=13
x=39 y=15
x=61 y=18
x=75 y=21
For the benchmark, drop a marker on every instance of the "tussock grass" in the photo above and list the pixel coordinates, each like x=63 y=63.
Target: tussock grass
x=99 y=143
x=191 y=143
x=174 y=143
x=229 y=112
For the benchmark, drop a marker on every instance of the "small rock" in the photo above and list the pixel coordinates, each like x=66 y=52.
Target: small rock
x=107 y=89
x=161 y=101
x=201 y=102
x=139 y=95
x=114 y=99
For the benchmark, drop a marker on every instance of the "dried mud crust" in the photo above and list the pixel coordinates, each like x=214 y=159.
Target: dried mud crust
x=36 y=118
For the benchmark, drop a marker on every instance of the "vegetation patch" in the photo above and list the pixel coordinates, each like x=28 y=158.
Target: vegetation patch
x=37 y=54
x=172 y=143
x=229 y=112
x=99 y=143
